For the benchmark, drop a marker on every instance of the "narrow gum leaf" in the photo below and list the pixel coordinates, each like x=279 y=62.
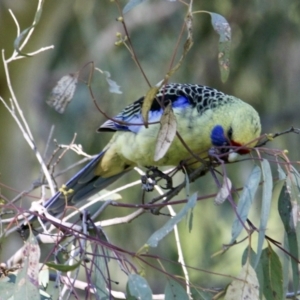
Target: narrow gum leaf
x=285 y=209
x=138 y=287
x=132 y=4
x=148 y=100
x=272 y=270
x=63 y=268
x=245 y=202
x=21 y=37
x=174 y=291
x=169 y=225
x=222 y=27
x=187 y=45
x=166 y=133
x=265 y=205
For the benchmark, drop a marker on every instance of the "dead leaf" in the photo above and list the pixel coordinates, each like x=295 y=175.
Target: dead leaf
x=148 y=100
x=63 y=92
x=245 y=287
x=27 y=280
x=166 y=133
x=187 y=45
x=113 y=86
x=222 y=27
x=224 y=191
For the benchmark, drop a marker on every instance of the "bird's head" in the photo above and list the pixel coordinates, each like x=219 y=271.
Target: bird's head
x=240 y=127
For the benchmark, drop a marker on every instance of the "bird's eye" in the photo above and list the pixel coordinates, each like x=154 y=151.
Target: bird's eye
x=229 y=133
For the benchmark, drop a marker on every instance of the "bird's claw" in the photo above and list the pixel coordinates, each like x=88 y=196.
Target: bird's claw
x=169 y=184
x=149 y=180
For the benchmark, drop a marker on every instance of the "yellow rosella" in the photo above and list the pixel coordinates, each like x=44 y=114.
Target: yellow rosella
x=205 y=118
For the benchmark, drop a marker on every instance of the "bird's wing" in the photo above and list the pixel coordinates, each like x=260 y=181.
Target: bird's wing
x=180 y=95
x=84 y=184
x=130 y=118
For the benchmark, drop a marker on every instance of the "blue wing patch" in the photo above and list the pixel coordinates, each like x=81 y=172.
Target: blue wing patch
x=132 y=114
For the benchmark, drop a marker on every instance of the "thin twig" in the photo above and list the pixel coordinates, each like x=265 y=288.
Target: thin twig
x=271 y=136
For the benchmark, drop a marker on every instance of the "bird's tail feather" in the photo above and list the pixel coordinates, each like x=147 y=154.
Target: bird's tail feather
x=83 y=185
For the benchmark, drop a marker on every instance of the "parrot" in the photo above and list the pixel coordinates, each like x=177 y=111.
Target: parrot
x=205 y=118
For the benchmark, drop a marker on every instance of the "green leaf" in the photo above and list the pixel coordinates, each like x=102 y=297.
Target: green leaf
x=63 y=268
x=131 y=4
x=138 y=287
x=293 y=184
x=101 y=273
x=222 y=27
x=190 y=220
x=286 y=210
x=245 y=287
x=175 y=291
x=272 y=269
x=168 y=227
x=285 y=267
x=128 y=295
x=100 y=268
x=245 y=202
x=201 y=295
x=22 y=35
x=265 y=205
x=281 y=173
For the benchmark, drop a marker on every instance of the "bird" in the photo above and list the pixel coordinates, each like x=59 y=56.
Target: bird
x=205 y=118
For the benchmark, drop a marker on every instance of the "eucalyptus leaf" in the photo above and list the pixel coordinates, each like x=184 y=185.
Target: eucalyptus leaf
x=132 y=4
x=168 y=227
x=222 y=27
x=245 y=202
x=245 y=287
x=174 y=291
x=138 y=287
x=265 y=205
x=272 y=269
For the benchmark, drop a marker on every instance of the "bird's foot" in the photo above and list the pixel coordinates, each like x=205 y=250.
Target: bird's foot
x=149 y=180
x=148 y=183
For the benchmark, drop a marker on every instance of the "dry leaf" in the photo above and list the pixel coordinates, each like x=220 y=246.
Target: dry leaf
x=166 y=133
x=63 y=92
x=148 y=100
x=222 y=27
x=113 y=86
x=224 y=191
x=187 y=45
x=27 y=280
x=245 y=287
x=32 y=252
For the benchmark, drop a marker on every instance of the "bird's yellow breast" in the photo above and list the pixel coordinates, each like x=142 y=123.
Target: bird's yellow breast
x=130 y=149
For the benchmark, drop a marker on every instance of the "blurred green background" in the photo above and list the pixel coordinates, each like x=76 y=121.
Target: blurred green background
x=265 y=72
